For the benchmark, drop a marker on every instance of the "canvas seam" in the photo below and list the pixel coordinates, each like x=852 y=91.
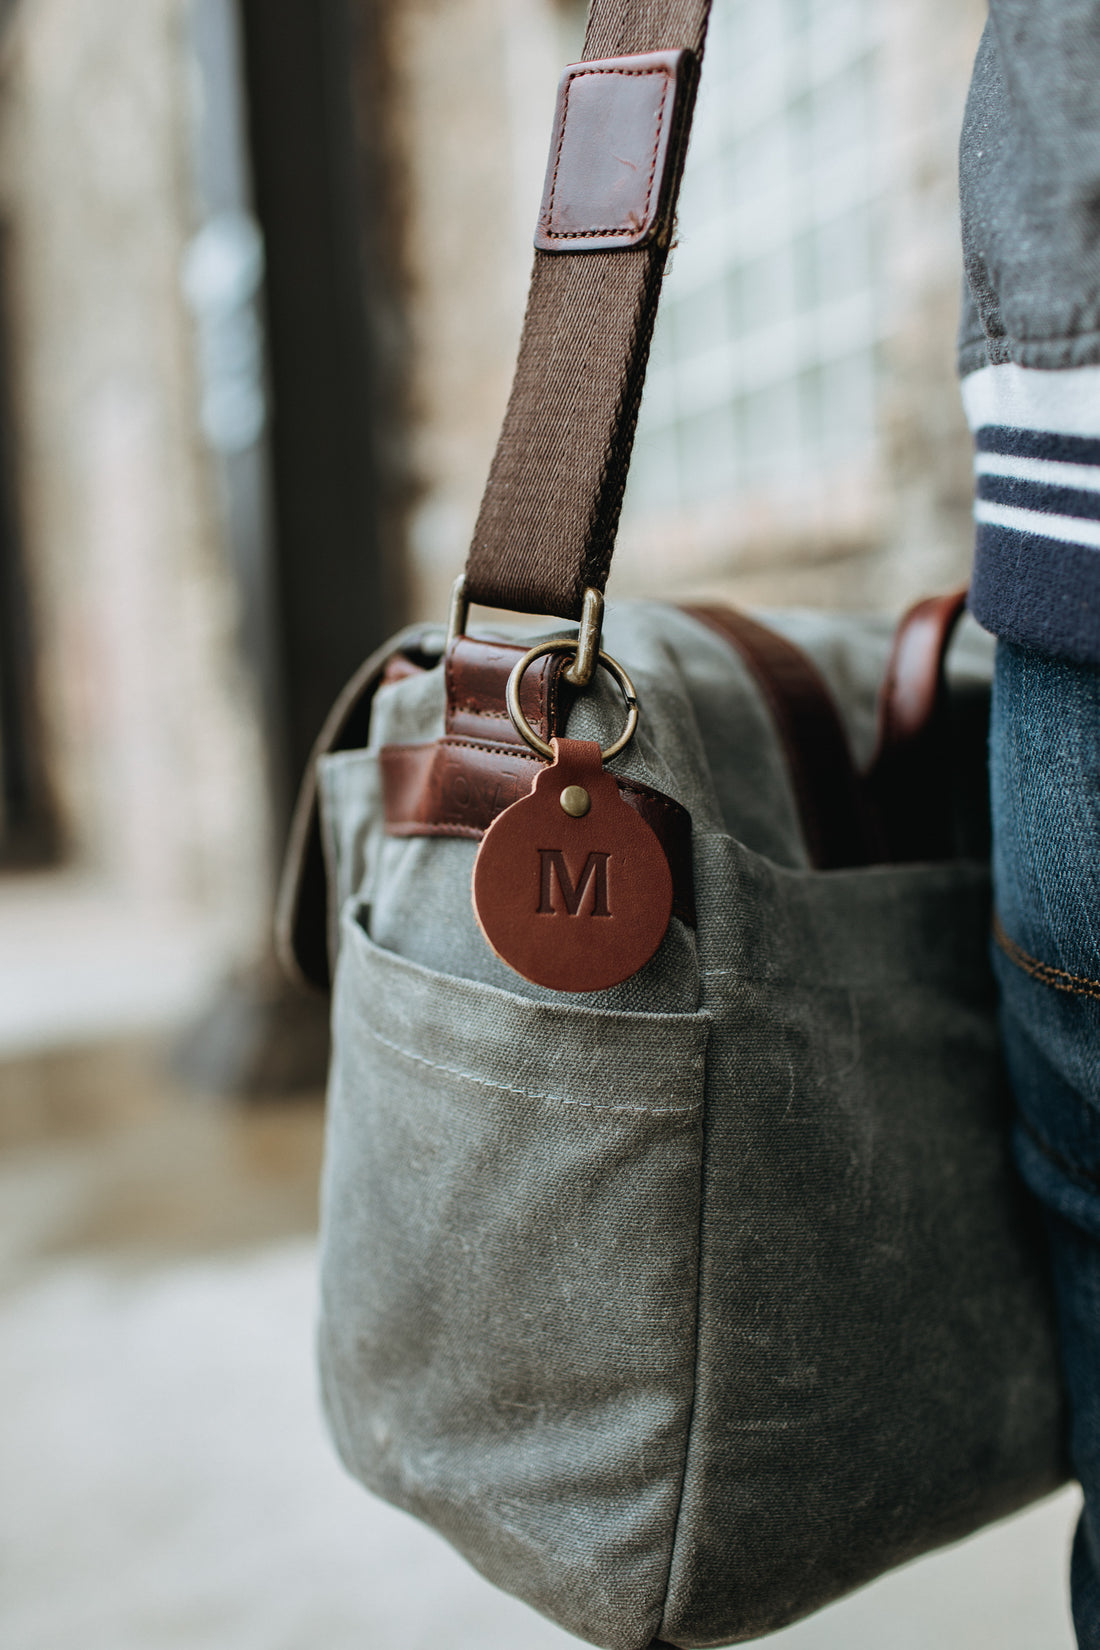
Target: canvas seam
x=530 y=1094
x=690 y=1424
x=1087 y=1179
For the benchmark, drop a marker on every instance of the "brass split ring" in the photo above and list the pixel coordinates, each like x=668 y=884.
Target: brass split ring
x=568 y=644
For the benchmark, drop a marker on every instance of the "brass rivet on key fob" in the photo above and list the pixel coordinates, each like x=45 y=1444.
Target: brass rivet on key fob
x=575 y=801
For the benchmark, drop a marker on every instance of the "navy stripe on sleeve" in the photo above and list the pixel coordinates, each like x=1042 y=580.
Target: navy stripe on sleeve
x=1039 y=495
x=1037 y=560
x=1038 y=592
x=1048 y=444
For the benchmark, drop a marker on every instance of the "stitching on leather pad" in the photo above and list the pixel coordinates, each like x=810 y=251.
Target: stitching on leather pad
x=619 y=228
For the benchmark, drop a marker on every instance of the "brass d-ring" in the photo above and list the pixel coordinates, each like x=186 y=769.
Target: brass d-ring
x=568 y=644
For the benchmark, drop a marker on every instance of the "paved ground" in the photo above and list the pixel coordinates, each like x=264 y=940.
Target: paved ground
x=167 y=1485
x=77 y=960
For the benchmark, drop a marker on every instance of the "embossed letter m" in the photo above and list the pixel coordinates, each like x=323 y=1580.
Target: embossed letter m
x=595 y=868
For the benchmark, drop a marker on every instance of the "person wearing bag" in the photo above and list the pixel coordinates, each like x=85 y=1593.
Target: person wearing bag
x=673 y=1266
x=1029 y=356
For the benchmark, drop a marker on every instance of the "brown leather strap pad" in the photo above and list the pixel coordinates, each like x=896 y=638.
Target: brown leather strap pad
x=607 y=181
x=837 y=825
x=548 y=518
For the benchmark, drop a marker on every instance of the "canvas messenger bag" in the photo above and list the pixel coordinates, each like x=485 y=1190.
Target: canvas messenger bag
x=673 y=1264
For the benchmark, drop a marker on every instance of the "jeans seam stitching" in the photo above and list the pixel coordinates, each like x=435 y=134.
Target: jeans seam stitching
x=1059 y=979
x=1086 y=1179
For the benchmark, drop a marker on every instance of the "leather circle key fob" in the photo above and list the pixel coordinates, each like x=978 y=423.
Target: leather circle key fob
x=571 y=887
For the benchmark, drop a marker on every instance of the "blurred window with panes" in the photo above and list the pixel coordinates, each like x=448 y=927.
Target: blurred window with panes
x=761 y=392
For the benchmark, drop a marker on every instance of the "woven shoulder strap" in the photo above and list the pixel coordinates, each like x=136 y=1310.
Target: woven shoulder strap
x=547 y=524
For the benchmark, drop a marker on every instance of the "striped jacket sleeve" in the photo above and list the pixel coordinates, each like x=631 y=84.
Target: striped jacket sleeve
x=1029 y=350
x=1037 y=506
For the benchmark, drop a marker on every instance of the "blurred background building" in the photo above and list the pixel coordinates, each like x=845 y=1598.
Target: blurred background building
x=800 y=439
x=262 y=272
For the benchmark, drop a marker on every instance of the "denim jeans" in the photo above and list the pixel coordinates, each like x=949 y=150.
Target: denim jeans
x=1046 y=805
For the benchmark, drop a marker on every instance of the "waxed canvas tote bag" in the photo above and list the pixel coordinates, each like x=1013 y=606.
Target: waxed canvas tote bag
x=673 y=1265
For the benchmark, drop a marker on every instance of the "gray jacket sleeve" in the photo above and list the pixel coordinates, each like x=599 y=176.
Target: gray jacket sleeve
x=1030 y=187
x=1029 y=341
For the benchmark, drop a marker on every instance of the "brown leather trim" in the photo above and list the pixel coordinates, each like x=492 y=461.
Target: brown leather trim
x=477 y=674
x=837 y=824
x=400 y=666
x=457 y=787
x=452 y=787
x=909 y=778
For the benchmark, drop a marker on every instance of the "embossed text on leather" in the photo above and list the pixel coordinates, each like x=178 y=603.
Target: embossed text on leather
x=571 y=887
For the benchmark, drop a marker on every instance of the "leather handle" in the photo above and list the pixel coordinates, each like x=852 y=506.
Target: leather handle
x=547 y=525
x=838 y=826
x=908 y=775
x=914 y=688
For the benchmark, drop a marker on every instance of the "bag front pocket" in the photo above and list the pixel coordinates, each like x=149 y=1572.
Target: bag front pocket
x=510 y=1251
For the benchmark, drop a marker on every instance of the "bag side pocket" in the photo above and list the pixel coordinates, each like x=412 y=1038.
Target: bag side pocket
x=509 y=1276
